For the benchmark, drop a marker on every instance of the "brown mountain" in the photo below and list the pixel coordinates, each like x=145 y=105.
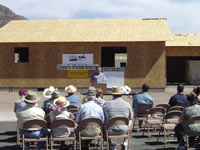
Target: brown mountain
x=7 y=15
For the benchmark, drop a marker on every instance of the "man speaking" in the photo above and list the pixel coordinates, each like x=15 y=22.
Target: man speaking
x=98 y=76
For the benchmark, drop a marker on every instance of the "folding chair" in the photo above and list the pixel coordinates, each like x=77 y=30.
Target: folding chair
x=183 y=105
x=19 y=139
x=169 y=122
x=195 y=119
x=154 y=118
x=62 y=124
x=48 y=120
x=117 y=121
x=73 y=109
x=90 y=123
x=166 y=106
x=138 y=116
x=35 y=123
x=176 y=108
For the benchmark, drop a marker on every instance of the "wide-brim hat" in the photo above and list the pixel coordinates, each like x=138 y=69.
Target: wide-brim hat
x=117 y=91
x=61 y=100
x=31 y=97
x=70 y=89
x=48 y=91
x=126 y=89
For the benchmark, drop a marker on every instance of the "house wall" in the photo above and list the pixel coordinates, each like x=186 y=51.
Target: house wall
x=145 y=63
x=183 y=51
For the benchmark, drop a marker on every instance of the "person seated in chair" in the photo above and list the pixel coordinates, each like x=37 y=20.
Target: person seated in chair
x=89 y=110
x=49 y=105
x=142 y=98
x=47 y=93
x=20 y=103
x=99 y=100
x=179 y=97
x=73 y=99
x=192 y=109
x=30 y=112
x=61 y=112
x=118 y=107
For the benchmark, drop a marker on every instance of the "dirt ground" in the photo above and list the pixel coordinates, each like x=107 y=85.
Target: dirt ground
x=160 y=96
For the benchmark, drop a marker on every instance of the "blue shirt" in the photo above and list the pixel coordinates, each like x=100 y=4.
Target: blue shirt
x=100 y=77
x=178 y=99
x=45 y=103
x=89 y=109
x=142 y=98
x=73 y=99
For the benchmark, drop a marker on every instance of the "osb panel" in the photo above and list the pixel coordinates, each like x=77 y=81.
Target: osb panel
x=35 y=83
x=148 y=67
x=183 y=51
x=157 y=76
x=85 y=30
x=187 y=39
x=146 y=63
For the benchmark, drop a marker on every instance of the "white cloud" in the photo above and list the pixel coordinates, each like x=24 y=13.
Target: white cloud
x=182 y=14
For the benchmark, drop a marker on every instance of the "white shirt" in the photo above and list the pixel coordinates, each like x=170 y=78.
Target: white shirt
x=29 y=112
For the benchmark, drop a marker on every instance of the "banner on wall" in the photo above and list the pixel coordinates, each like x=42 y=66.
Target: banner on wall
x=115 y=76
x=77 y=73
x=77 y=59
x=77 y=66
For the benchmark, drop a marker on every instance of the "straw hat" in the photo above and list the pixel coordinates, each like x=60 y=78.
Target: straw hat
x=117 y=91
x=61 y=101
x=48 y=91
x=31 y=97
x=126 y=89
x=70 y=89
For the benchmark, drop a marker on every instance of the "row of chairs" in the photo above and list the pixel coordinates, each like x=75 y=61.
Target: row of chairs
x=162 y=116
x=70 y=124
x=145 y=109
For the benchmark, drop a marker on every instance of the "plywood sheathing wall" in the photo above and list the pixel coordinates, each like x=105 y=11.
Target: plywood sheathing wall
x=183 y=51
x=146 y=63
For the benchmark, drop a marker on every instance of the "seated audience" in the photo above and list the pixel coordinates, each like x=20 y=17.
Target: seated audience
x=30 y=112
x=99 y=100
x=143 y=97
x=118 y=107
x=47 y=93
x=50 y=106
x=179 y=97
x=73 y=99
x=192 y=109
x=20 y=103
x=88 y=110
x=84 y=100
x=61 y=112
x=196 y=91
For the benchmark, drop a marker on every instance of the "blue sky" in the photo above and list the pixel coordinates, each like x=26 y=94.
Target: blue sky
x=182 y=15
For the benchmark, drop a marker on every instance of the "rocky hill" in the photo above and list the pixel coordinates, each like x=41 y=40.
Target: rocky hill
x=7 y=15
